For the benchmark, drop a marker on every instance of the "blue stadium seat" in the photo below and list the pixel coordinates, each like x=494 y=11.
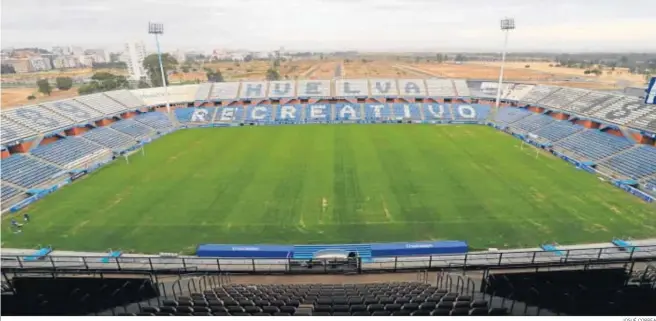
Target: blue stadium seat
x=437 y=112
x=109 y=138
x=532 y=123
x=407 y=111
x=259 y=113
x=508 y=115
x=67 y=151
x=156 y=120
x=133 y=128
x=635 y=163
x=378 y=112
x=558 y=130
x=26 y=171
x=8 y=192
x=593 y=144
x=470 y=112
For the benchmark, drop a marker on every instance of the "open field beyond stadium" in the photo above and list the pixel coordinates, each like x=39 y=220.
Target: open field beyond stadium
x=333 y=184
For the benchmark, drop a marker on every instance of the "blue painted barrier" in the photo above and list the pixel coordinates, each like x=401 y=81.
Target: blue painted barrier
x=551 y=248
x=244 y=251
x=623 y=244
x=111 y=256
x=418 y=248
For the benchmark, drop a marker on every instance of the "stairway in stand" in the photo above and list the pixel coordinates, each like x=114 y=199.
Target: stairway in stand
x=306 y=252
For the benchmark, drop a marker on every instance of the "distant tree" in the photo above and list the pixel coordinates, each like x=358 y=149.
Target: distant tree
x=143 y=84
x=276 y=63
x=213 y=75
x=64 y=83
x=151 y=64
x=109 y=65
x=527 y=66
x=114 y=57
x=624 y=61
x=44 y=86
x=104 y=81
x=248 y=58
x=460 y=58
x=272 y=74
x=440 y=58
x=551 y=65
x=417 y=59
x=364 y=61
x=7 y=69
x=321 y=57
x=587 y=72
x=31 y=97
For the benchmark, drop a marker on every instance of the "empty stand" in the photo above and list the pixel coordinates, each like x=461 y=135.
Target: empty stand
x=562 y=97
x=259 y=113
x=441 y=88
x=437 y=112
x=69 y=152
x=133 y=128
x=37 y=118
x=126 y=98
x=532 y=123
x=282 y=89
x=636 y=163
x=624 y=110
x=558 y=130
x=383 y=87
x=470 y=112
x=11 y=131
x=407 y=111
x=577 y=292
x=538 y=93
x=203 y=92
x=313 y=88
x=27 y=172
x=593 y=144
x=462 y=89
x=396 y=299
x=412 y=87
x=8 y=192
x=378 y=112
x=590 y=100
x=102 y=103
x=508 y=115
x=73 y=110
x=516 y=92
x=156 y=120
x=224 y=91
x=109 y=138
x=647 y=122
x=352 y=88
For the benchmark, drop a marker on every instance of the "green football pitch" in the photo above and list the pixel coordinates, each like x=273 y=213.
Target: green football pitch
x=333 y=184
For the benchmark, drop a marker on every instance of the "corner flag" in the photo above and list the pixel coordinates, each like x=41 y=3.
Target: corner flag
x=650 y=98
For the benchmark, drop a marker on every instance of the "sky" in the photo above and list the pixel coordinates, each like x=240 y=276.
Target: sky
x=330 y=25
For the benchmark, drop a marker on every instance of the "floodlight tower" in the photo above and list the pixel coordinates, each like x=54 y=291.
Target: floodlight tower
x=158 y=29
x=507 y=24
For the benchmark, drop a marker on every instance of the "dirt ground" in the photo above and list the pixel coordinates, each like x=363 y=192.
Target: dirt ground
x=375 y=69
x=13 y=97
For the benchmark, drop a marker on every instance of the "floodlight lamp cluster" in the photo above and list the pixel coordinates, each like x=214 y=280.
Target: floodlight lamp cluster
x=155 y=28
x=508 y=24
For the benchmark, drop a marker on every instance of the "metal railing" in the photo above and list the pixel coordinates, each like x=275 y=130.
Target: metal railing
x=476 y=260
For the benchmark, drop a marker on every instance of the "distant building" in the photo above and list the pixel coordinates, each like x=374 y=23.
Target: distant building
x=134 y=54
x=40 y=64
x=98 y=55
x=20 y=65
x=86 y=60
x=76 y=51
x=180 y=56
x=62 y=62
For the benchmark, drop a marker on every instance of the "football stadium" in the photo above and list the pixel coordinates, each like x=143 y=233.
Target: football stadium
x=331 y=176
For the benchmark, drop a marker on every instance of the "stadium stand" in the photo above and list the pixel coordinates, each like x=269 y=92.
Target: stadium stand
x=11 y=131
x=224 y=91
x=441 y=88
x=650 y=185
x=377 y=299
x=508 y=115
x=593 y=144
x=604 y=291
x=586 y=102
x=562 y=97
x=437 y=112
x=313 y=88
x=199 y=114
x=538 y=93
x=126 y=98
x=258 y=113
x=412 y=87
x=109 y=138
x=253 y=90
x=68 y=152
x=74 y=110
x=203 y=92
x=635 y=163
x=286 y=113
x=282 y=89
x=406 y=111
x=40 y=295
x=379 y=112
x=647 y=122
x=462 y=89
x=532 y=123
x=156 y=120
x=516 y=92
x=8 y=192
x=557 y=130
x=132 y=128
x=352 y=88
x=38 y=118
x=470 y=112
x=102 y=103
x=231 y=114
x=383 y=88
x=27 y=172
x=624 y=110
x=484 y=89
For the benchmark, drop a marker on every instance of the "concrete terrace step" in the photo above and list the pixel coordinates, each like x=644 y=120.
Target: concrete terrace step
x=306 y=252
